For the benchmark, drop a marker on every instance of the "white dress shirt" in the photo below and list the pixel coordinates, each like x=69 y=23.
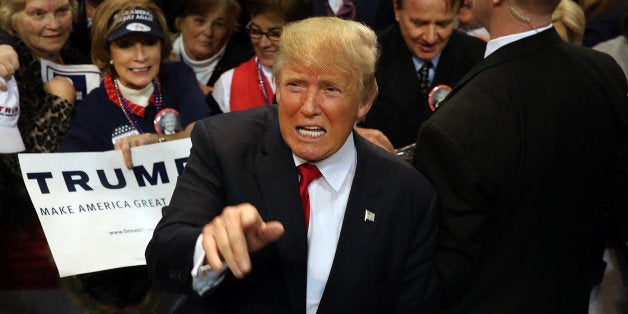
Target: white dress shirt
x=494 y=44
x=328 y=200
x=329 y=195
x=418 y=63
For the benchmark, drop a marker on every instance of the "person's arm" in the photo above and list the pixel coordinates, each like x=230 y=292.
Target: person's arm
x=236 y=232
x=197 y=207
x=191 y=107
x=9 y=61
x=61 y=87
x=420 y=291
x=6 y=39
x=126 y=143
x=464 y=209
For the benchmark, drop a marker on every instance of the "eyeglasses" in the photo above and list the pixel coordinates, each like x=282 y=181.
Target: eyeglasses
x=256 y=33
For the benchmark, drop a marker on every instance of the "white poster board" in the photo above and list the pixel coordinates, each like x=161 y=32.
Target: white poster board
x=85 y=77
x=96 y=213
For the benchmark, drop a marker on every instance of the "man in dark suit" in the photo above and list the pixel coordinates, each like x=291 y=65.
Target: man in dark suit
x=235 y=231
x=529 y=154
x=424 y=33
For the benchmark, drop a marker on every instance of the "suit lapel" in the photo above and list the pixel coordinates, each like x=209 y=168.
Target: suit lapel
x=450 y=62
x=353 y=244
x=278 y=181
x=403 y=81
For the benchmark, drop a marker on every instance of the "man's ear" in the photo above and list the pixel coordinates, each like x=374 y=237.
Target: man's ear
x=365 y=106
x=278 y=95
x=396 y=10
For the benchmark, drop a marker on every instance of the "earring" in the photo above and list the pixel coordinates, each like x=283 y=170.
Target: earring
x=111 y=62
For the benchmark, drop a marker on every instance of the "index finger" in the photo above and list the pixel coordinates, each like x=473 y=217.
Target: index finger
x=237 y=221
x=123 y=145
x=126 y=154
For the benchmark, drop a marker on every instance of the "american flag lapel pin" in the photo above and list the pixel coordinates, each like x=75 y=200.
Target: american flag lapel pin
x=369 y=216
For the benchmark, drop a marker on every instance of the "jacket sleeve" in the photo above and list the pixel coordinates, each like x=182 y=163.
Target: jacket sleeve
x=5 y=38
x=419 y=291
x=465 y=207
x=198 y=197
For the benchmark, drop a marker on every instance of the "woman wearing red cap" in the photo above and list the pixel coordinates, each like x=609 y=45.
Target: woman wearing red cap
x=140 y=91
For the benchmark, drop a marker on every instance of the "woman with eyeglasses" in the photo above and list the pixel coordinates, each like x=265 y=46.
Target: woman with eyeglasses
x=251 y=84
x=204 y=42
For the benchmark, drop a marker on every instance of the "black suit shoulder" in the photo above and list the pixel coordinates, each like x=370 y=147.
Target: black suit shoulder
x=470 y=44
x=399 y=108
x=246 y=123
x=236 y=134
x=459 y=56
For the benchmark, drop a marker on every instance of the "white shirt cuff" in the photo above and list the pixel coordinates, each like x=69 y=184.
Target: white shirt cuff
x=204 y=277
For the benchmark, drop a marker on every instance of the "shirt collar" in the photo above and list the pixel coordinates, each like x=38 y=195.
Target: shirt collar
x=499 y=42
x=336 y=167
x=418 y=63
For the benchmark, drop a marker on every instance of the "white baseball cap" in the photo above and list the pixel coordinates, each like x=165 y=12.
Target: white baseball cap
x=11 y=139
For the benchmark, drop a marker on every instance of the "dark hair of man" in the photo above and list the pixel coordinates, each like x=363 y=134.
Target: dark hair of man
x=454 y=5
x=287 y=10
x=539 y=7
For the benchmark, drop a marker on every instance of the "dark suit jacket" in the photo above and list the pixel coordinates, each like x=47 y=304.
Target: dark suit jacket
x=380 y=267
x=528 y=154
x=399 y=108
x=376 y=14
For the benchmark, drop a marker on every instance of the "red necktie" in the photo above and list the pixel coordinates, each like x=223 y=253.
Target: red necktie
x=308 y=173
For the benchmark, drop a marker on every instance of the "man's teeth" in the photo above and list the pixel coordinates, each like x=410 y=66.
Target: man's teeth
x=311 y=131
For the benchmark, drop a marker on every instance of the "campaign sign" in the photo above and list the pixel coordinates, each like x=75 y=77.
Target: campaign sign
x=96 y=213
x=85 y=77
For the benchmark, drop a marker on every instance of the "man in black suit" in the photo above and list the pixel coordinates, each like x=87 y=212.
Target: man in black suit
x=529 y=154
x=424 y=33
x=235 y=231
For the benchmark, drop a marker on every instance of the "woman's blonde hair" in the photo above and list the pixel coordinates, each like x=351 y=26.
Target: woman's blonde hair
x=571 y=16
x=8 y=9
x=102 y=26
x=349 y=47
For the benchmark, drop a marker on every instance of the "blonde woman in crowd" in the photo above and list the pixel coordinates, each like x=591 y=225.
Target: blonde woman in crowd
x=568 y=20
x=39 y=30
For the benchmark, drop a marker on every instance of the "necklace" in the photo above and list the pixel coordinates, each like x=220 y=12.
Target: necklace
x=130 y=109
x=262 y=81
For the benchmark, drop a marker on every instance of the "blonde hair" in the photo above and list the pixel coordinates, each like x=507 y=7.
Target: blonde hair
x=331 y=45
x=571 y=16
x=9 y=8
x=101 y=27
